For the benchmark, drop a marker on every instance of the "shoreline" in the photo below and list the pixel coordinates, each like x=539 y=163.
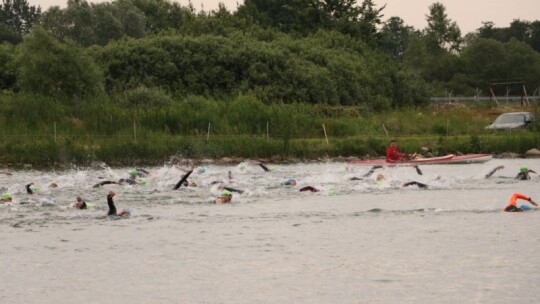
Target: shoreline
x=223 y=161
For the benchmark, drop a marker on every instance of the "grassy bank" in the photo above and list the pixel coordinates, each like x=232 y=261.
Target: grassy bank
x=43 y=131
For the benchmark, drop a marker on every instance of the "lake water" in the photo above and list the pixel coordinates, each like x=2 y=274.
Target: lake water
x=352 y=242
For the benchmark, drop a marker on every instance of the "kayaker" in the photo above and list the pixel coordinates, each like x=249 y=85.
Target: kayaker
x=393 y=155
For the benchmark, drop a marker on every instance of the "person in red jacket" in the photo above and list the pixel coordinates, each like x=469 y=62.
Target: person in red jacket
x=511 y=207
x=393 y=155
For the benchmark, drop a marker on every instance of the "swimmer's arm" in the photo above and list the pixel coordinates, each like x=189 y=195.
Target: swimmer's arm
x=532 y=202
x=532 y=171
x=494 y=170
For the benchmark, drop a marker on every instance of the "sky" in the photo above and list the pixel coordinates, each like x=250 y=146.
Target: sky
x=469 y=14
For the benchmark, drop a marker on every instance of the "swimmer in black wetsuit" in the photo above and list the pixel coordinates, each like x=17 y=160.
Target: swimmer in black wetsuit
x=420 y=185
x=183 y=180
x=493 y=171
x=524 y=173
x=309 y=189
x=112 y=208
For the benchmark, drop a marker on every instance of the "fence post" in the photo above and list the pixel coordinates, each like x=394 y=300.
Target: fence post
x=208 y=133
x=385 y=131
x=325 y=136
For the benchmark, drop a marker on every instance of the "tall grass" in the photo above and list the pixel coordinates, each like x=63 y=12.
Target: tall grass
x=125 y=129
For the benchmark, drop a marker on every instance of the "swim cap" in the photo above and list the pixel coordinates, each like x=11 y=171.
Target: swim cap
x=201 y=169
x=290 y=182
x=273 y=168
x=35 y=188
x=525 y=207
x=133 y=172
x=225 y=193
x=523 y=168
x=142 y=181
x=6 y=196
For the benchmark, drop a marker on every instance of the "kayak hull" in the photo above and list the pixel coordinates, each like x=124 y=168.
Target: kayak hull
x=447 y=159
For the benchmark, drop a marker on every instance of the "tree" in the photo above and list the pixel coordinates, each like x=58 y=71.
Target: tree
x=394 y=37
x=49 y=67
x=16 y=19
x=443 y=32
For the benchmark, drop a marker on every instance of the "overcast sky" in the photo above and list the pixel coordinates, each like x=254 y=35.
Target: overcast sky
x=468 y=14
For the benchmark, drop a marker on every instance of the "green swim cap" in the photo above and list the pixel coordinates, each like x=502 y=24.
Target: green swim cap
x=226 y=193
x=35 y=188
x=6 y=196
x=133 y=172
x=142 y=181
x=523 y=168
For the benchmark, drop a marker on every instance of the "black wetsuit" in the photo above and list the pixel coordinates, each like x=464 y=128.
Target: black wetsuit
x=420 y=185
x=309 y=188
x=523 y=175
x=112 y=208
x=104 y=183
x=265 y=168
x=181 y=181
x=142 y=172
x=28 y=189
x=512 y=208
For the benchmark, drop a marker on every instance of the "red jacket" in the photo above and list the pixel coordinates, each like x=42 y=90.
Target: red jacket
x=393 y=154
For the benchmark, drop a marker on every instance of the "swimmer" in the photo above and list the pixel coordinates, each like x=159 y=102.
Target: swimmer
x=493 y=171
x=368 y=174
x=265 y=168
x=309 y=189
x=420 y=185
x=231 y=179
x=79 y=204
x=224 y=197
x=290 y=182
x=511 y=207
x=524 y=173
x=184 y=178
x=112 y=208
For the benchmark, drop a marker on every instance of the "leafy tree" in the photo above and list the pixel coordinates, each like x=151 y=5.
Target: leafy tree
x=7 y=67
x=394 y=37
x=442 y=31
x=48 y=67
x=16 y=19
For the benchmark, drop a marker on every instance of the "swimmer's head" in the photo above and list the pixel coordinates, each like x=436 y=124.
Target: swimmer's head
x=53 y=185
x=142 y=181
x=6 y=197
x=225 y=193
x=35 y=188
x=273 y=168
x=201 y=169
x=290 y=182
x=192 y=183
x=380 y=176
x=133 y=173
x=523 y=169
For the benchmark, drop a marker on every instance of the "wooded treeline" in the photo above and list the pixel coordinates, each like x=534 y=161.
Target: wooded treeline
x=337 y=52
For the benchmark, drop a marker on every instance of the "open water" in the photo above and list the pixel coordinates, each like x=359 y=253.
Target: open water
x=352 y=242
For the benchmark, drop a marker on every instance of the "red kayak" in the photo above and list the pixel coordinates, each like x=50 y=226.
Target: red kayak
x=447 y=159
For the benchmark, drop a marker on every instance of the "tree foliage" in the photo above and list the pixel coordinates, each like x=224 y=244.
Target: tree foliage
x=17 y=18
x=49 y=67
